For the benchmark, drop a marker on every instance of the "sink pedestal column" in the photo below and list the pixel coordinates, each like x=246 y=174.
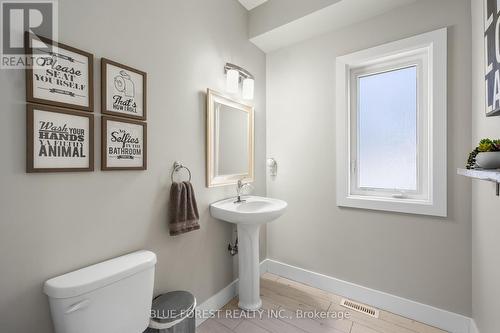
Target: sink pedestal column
x=249 y=267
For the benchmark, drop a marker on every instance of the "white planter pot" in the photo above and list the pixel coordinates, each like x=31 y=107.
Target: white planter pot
x=488 y=160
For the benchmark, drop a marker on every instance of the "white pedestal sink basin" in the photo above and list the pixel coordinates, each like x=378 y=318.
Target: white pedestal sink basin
x=248 y=216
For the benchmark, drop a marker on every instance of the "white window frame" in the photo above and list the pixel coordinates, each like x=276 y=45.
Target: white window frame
x=428 y=52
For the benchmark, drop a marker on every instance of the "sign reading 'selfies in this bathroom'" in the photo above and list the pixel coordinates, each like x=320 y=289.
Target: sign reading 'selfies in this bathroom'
x=124 y=144
x=124 y=90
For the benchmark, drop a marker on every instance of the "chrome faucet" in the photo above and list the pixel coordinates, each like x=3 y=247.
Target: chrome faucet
x=241 y=185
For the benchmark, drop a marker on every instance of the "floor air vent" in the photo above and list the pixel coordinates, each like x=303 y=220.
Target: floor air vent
x=372 y=312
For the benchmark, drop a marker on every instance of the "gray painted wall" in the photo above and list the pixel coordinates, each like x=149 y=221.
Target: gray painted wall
x=417 y=257
x=485 y=217
x=54 y=223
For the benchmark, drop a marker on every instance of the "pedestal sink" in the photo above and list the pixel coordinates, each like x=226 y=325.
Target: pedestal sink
x=248 y=215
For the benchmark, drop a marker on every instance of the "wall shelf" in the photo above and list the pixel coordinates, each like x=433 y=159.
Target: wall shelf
x=488 y=175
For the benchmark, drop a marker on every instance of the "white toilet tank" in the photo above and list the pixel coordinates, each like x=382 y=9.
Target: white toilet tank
x=113 y=296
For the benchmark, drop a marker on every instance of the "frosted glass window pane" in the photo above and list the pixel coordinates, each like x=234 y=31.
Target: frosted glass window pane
x=387 y=138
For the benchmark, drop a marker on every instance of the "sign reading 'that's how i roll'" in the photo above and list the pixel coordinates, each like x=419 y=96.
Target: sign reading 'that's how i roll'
x=123 y=90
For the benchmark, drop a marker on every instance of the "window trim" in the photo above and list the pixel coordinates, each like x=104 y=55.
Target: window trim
x=433 y=47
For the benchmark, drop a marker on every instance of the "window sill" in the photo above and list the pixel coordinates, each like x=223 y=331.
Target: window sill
x=408 y=206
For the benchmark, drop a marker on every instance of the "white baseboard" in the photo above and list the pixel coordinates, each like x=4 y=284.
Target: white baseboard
x=448 y=321
x=473 y=327
x=216 y=302
x=220 y=299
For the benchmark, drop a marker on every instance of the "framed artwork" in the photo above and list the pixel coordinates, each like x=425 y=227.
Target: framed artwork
x=123 y=90
x=60 y=75
x=124 y=144
x=492 y=65
x=58 y=139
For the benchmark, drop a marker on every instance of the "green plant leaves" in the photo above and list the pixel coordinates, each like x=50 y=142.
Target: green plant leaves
x=485 y=145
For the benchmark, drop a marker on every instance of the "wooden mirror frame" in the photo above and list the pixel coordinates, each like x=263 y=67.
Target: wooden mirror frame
x=214 y=180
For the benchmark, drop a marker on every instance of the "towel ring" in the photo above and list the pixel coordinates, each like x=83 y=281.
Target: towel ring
x=177 y=167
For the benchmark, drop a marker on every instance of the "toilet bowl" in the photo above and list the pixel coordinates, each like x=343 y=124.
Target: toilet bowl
x=113 y=296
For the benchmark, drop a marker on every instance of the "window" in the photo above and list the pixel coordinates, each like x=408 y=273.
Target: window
x=391 y=126
x=387 y=130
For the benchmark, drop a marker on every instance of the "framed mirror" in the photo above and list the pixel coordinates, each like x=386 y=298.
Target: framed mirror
x=230 y=140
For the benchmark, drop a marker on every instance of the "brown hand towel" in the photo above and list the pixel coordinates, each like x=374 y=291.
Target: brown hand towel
x=183 y=211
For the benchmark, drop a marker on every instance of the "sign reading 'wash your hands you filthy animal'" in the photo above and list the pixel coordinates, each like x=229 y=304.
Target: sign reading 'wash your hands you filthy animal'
x=492 y=56
x=60 y=75
x=59 y=140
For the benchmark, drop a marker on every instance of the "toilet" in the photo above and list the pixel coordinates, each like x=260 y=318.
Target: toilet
x=113 y=296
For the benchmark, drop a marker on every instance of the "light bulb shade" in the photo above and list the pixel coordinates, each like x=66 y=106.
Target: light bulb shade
x=248 y=87
x=232 y=81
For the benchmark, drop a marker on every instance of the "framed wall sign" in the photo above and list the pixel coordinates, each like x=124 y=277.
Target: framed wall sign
x=59 y=140
x=124 y=144
x=123 y=90
x=492 y=65
x=60 y=75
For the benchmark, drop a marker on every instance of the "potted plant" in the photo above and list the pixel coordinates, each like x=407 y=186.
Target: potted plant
x=486 y=155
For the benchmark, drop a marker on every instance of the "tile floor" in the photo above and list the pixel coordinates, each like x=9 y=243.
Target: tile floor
x=283 y=298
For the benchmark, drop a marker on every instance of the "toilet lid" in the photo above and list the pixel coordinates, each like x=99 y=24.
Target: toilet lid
x=172 y=306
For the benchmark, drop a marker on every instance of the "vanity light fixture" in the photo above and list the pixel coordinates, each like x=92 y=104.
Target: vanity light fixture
x=248 y=87
x=232 y=81
x=236 y=74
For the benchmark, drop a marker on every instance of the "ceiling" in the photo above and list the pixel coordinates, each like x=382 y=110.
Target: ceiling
x=334 y=17
x=251 y=4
